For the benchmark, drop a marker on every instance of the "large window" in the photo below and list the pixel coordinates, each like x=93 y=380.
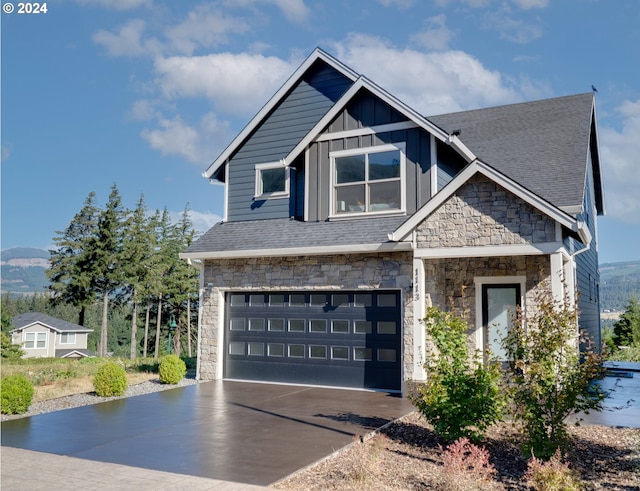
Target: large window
x=35 y=340
x=272 y=181
x=368 y=180
x=68 y=338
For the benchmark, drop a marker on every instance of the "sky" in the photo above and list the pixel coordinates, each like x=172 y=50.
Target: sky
x=145 y=94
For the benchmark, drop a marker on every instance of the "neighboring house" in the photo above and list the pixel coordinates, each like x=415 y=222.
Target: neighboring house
x=42 y=336
x=347 y=213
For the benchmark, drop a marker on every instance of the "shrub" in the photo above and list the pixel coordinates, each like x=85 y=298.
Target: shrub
x=549 y=377
x=17 y=393
x=110 y=380
x=461 y=397
x=553 y=475
x=172 y=369
x=10 y=351
x=466 y=466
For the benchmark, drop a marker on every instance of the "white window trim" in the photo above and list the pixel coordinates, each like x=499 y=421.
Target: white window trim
x=493 y=280
x=368 y=150
x=258 y=194
x=35 y=339
x=68 y=335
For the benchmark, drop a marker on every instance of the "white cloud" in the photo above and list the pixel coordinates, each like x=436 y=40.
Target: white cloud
x=203 y=221
x=6 y=152
x=436 y=36
x=199 y=144
x=531 y=4
x=431 y=83
x=236 y=83
x=401 y=4
x=128 y=40
x=204 y=27
x=621 y=164
x=293 y=10
x=117 y=4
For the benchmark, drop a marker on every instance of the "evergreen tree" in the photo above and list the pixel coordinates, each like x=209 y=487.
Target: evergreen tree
x=626 y=331
x=105 y=259
x=71 y=270
x=138 y=253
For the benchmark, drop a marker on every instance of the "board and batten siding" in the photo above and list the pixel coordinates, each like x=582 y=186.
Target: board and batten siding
x=364 y=111
x=287 y=124
x=587 y=269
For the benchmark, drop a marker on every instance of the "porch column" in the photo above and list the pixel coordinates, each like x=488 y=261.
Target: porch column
x=557 y=276
x=419 y=313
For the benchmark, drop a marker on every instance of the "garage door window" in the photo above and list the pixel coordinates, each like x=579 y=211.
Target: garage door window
x=386 y=300
x=318 y=352
x=297 y=300
x=275 y=349
x=256 y=324
x=339 y=353
x=340 y=326
x=276 y=325
x=387 y=355
x=362 y=327
x=296 y=350
x=237 y=324
x=297 y=325
x=386 y=327
x=236 y=348
x=256 y=349
x=317 y=325
x=362 y=354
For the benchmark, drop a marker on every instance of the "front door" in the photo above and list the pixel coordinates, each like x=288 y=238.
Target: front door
x=499 y=306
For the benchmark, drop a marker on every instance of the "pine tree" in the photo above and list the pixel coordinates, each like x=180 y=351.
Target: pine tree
x=71 y=271
x=105 y=259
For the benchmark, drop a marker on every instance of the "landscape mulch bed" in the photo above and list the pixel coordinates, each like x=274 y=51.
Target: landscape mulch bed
x=407 y=455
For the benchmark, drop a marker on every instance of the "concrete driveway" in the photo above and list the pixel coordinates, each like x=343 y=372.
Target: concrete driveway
x=231 y=431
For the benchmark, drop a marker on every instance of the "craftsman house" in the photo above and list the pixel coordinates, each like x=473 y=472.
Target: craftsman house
x=347 y=212
x=43 y=336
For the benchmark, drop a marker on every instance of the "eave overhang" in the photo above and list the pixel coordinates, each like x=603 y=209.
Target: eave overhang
x=300 y=251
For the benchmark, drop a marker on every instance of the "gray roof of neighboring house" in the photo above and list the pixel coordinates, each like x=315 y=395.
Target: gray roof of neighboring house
x=63 y=353
x=21 y=321
x=294 y=234
x=541 y=145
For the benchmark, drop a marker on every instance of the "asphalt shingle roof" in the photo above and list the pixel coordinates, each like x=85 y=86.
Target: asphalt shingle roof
x=23 y=320
x=287 y=233
x=542 y=145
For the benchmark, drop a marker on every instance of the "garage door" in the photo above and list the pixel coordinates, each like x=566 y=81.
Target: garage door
x=344 y=339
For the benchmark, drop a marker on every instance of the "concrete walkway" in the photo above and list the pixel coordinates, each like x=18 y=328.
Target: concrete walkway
x=227 y=431
x=35 y=471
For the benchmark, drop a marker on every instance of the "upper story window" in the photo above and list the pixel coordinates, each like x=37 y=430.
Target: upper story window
x=35 y=340
x=368 y=180
x=68 y=338
x=272 y=181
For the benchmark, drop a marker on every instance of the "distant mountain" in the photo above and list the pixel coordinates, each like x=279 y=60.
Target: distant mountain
x=22 y=270
x=618 y=283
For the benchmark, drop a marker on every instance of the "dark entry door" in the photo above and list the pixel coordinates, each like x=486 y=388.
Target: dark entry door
x=333 y=338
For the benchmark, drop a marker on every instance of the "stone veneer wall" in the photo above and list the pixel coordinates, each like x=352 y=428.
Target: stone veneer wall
x=482 y=213
x=340 y=272
x=450 y=282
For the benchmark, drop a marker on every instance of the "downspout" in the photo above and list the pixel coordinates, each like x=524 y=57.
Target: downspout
x=200 y=308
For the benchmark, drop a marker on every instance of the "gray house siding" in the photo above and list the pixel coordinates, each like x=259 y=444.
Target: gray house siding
x=587 y=270
x=449 y=164
x=367 y=110
x=287 y=124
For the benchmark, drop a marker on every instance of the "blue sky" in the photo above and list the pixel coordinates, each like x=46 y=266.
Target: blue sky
x=146 y=93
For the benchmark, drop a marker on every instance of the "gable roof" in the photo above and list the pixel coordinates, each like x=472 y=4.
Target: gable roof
x=317 y=54
x=542 y=145
x=286 y=237
x=566 y=220
x=22 y=321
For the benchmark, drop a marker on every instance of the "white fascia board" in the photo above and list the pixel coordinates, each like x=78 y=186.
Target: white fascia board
x=542 y=248
x=479 y=167
x=300 y=251
x=317 y=54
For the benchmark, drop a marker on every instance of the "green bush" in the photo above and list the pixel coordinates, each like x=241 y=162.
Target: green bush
x=461 y=397
x=627 y=353
x=553 y=475
x=10 y=351
x=17 y=393
x=110 y=380
x=549 y=377
x=172 y=369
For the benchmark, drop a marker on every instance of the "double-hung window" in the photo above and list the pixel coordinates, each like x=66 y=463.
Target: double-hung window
x=272 y=181
x=35 y=340
x=68 y=338
x=368 y=180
